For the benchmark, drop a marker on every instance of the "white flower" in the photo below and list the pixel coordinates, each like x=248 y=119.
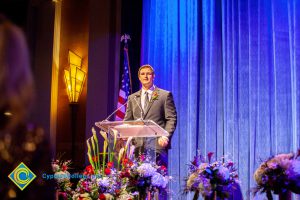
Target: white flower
x=108 y=196
x=75 y=196
x=84 y=196
x=62 y=176
x=159 y=180
x=202 y=167
x=125 y=197
x=146 y=170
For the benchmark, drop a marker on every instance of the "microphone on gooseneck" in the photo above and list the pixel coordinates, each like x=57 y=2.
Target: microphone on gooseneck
x=115 y=111
x=139 y=106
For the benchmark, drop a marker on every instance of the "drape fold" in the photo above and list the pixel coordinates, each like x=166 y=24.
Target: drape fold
x=233 y=67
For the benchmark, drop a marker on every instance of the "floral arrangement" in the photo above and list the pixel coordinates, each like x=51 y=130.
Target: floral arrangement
x=108 y=178
x=62 y=177
x=144 y=177
x=211 y=178
x=278 y=174
x=154 y=96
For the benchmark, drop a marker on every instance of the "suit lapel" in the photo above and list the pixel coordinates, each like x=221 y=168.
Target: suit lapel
x=138 y=99
x=151 y=101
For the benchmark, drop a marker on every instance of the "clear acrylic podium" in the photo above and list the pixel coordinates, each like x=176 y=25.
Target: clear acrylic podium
x=143 y=132
x=138 y=128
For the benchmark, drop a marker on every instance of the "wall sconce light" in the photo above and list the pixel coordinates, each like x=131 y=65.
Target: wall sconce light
x=74 y=77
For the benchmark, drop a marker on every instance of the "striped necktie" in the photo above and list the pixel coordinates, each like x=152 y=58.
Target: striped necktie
x=146 y=102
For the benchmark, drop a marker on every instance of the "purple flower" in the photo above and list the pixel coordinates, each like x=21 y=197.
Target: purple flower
x=158 y=180
x=294 y=169
x=103 y=182
x=223 y=172
x=146 y=170
x=205 y=187
x=208 y=177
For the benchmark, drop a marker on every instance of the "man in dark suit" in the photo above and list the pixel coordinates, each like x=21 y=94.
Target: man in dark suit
x=152 y=103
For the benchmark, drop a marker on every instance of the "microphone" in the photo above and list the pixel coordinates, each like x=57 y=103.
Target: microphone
x=115 y=111
x=106 y=119
x=139 y=106
x=106 y=128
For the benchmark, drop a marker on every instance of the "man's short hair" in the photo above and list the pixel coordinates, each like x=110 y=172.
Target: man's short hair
x=146 y=66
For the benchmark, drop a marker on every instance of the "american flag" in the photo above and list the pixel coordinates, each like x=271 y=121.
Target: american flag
x=125 y=87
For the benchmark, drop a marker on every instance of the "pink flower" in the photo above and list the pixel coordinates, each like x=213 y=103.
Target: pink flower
x=163 y=168
x=230 y=164
x=63 y=195
x=55 y=167
x=196 y=161
x=282 y=160
x=209 y=155
x=142 y=157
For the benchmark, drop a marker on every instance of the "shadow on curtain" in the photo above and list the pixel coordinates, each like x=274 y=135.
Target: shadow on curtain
x=234 y=70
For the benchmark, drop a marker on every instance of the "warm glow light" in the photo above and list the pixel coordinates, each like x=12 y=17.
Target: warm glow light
x=74 y=59
x=68 y=84
x=74 y=78
x=7 y=113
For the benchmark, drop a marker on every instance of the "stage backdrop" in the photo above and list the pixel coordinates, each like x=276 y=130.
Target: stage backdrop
x=234 y=69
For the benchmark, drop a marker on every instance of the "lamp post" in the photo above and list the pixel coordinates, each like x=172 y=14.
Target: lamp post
x=74 y=80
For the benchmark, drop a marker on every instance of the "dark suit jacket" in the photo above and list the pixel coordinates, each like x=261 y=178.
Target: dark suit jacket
x=161 y=110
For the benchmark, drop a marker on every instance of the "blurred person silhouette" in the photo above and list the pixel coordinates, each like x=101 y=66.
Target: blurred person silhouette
x=20 y=141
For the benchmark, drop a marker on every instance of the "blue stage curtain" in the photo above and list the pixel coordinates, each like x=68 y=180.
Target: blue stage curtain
x=234 y=69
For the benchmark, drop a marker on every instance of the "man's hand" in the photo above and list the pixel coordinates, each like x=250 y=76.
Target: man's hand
x=163 y=141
